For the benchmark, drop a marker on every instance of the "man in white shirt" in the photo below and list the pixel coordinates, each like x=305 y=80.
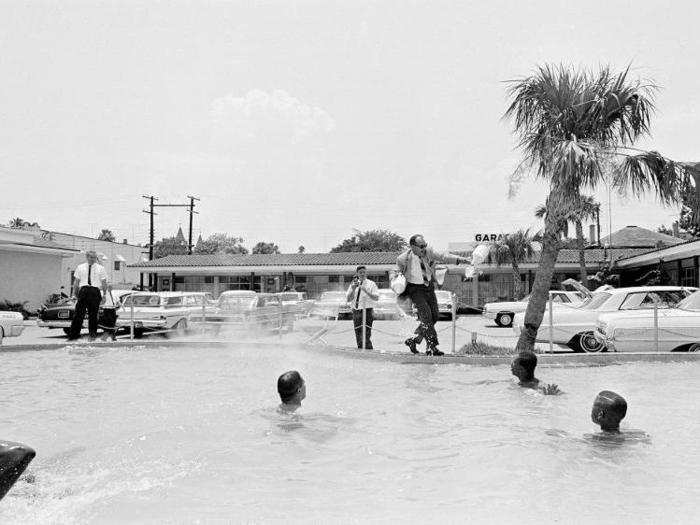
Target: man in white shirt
x=362 y=296
x=418 y=267
x=89 y=278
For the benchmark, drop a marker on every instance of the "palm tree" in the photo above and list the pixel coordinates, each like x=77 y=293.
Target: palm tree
x=586 y=209
x=514 y=248
x=577 y=128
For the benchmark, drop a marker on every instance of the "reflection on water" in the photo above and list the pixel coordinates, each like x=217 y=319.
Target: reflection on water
x=184 y=435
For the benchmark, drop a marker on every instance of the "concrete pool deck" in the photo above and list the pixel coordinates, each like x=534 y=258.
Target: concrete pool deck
x=400 y=356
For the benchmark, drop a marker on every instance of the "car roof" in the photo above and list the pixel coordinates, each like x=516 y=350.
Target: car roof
x=645 y=289
x=164 y=294
x=239 y=292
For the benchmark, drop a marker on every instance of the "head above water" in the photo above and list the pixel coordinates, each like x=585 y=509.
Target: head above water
x=523 y=366
x=417 y=244
x=608 y=410
x=291 y=388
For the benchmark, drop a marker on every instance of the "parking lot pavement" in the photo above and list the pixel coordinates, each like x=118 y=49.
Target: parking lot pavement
x=388 y=336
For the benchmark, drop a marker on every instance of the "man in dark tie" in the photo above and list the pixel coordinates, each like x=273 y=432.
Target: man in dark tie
x=362 y=296
x=418 y=267
x=89 y=278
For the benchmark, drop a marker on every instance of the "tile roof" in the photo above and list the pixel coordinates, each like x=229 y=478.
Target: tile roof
x=636 y=237
x=274 y=259
x=38 y=242
x=593 y=256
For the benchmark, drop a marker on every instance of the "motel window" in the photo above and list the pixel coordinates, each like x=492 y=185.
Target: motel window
x=300 y=279
x=117 y=265
x=334 y=278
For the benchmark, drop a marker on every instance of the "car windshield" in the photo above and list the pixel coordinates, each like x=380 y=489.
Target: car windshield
x=332 y=297
x=597 y=300
x=234 y=301
x=289 y=296
x=442 y=295
x=692 y=302
x=143 y=300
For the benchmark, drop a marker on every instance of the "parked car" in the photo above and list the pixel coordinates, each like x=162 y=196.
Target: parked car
x=575 y=327
x=160 y=311
x=11 y=324
x=60 y=315
x=331 y=305
x=296 y=301
x=387 y=307
x=251 y=310
x=634 y=330
x=504 y=311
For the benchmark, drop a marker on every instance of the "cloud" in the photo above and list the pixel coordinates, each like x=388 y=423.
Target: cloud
x=275 y=117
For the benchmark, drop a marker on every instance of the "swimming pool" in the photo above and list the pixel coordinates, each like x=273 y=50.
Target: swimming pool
x=192 y=435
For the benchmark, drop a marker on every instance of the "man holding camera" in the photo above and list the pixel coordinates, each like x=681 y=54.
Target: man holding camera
x=362 y=296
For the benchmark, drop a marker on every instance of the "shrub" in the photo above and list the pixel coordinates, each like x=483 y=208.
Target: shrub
x=16 y=307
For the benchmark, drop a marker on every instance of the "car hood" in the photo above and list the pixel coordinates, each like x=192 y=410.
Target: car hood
x=505 y=305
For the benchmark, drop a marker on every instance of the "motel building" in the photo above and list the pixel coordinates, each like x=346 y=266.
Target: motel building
x=315 y=273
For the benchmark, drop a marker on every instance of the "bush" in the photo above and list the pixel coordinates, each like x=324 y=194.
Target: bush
x=16 y=307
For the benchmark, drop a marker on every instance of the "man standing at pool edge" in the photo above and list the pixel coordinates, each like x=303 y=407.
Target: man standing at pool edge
x=89 y=277
x=362 y=295
x=418 y=266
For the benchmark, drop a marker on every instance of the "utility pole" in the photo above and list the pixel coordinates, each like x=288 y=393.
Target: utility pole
x=192 y=212
x=151 y=212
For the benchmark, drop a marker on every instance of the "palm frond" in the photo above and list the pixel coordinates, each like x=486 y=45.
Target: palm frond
x=651 y=171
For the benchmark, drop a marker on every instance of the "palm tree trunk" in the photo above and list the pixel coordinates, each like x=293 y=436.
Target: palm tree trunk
x=543 y=279
x=517 y=283
x=581 y=253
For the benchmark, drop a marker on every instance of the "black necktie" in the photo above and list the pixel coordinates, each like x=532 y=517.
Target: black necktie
x=426 y=280
x=357 y=300
x=89 y=272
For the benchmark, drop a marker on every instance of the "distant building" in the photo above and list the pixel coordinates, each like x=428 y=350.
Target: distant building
x=114 y=256
x=638 y=237
x=31 y=266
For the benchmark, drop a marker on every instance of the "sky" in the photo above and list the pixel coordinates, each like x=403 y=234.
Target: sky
x=298 y=122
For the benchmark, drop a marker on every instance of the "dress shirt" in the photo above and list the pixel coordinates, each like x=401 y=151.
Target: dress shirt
x=365 y=300
x=97 y=274
x=414 y=273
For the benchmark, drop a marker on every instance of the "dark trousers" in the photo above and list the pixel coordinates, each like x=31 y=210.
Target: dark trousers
x=89 y=298
x=426 y=303
x=357 y=321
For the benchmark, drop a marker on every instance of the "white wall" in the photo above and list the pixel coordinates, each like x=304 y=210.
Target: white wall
x=131 y=253
x=28 y=277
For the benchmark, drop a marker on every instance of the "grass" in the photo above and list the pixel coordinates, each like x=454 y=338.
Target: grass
x=485 y=349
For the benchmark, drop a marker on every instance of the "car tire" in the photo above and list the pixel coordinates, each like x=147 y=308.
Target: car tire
x=694 y=348
x=138 y=333
x=589 y=343
x=504 y=320
x=66 y=331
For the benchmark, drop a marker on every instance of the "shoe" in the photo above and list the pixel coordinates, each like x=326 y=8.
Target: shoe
x=411 y=344
x=434 y=351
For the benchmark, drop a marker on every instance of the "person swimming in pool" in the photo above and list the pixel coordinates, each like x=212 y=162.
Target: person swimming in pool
x=292 y=390
x=523 y=367
x=608 y=410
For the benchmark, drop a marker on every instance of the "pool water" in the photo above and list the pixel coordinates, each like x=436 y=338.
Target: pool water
x=183 y=435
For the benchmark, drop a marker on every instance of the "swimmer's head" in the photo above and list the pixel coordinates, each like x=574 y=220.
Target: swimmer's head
x=291 y=387
x=523 y=366
x=608 y=410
